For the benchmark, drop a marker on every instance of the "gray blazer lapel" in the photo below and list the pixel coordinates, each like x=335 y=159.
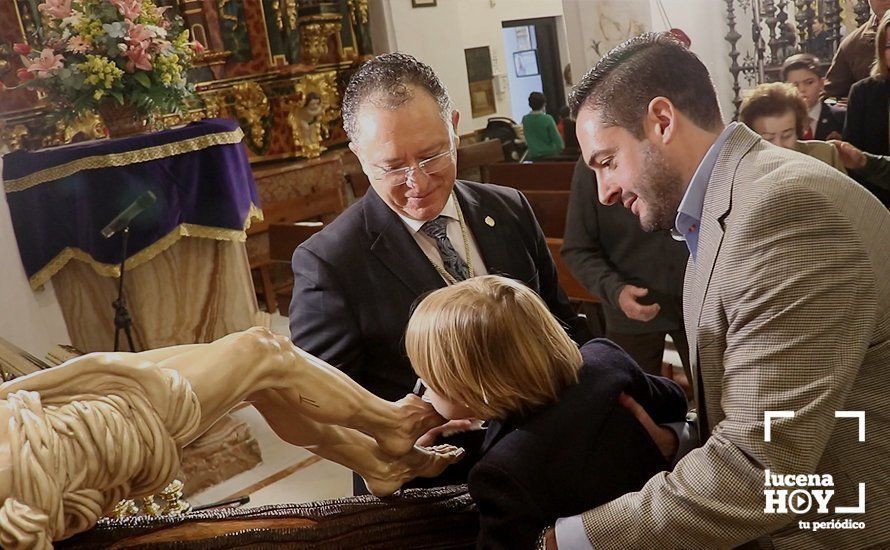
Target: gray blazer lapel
x=717 y=205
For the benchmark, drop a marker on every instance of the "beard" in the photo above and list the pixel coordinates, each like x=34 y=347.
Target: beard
x=664 y=190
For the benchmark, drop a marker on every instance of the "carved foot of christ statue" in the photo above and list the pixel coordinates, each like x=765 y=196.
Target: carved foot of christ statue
x=77 y=438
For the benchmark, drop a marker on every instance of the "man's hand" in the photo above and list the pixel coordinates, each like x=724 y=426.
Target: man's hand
x=628 y=301
x=664 y=438
x=853 y=158
x=449 y=428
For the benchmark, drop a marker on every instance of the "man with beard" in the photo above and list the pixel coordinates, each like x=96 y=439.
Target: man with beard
x=786 y=305
x=638 y=276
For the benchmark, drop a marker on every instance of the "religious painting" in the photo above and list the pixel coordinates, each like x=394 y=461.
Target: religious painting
x=612 y=22
x=479 y=77
x=523 y=38
x=526 y=63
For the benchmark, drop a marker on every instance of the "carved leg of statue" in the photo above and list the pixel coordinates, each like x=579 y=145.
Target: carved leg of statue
x=244 y=364
x=384 y=474
x=77 y=438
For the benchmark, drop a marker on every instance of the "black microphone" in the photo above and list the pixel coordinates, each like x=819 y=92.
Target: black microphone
x=123 y=219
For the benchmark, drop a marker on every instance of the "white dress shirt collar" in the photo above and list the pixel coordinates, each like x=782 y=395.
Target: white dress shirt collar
x=449 y=211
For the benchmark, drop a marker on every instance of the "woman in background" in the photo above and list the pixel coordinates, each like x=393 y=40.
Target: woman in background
x=560 y=441
x=540 y=130
x=867 y=125
x=778 y=113
x=868 y=110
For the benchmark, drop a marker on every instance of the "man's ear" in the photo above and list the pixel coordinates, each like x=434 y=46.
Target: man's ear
x=354 y=148
x=661 y=120
x=455 y=117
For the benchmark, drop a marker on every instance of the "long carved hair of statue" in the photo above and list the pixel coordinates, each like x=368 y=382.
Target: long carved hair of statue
x=74 y=452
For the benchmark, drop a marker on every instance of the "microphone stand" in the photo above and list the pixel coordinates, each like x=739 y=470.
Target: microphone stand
x=122 y=319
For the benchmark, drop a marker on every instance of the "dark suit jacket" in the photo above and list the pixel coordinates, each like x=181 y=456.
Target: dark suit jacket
x=853 y=60
x=569 y=457
x=831 y=119
x=867 y=126
x=356 y=280
x=606 y=248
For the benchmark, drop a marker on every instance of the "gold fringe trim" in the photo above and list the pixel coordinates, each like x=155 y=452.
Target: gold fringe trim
x=146 y=254
x=123 y=159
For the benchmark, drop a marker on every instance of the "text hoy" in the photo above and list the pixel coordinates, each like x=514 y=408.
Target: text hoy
x=802 y=500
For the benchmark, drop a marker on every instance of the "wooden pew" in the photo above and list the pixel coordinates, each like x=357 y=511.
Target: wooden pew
x=534 y=176
x=573 y=289
x=550 y=209
x=284 y=238
x=323 y=205
x=473 y=159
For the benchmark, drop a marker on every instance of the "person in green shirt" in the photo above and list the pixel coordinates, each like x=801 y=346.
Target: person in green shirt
x=541 y=135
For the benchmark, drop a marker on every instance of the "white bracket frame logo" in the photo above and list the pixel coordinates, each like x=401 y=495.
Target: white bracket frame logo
x=768 y=416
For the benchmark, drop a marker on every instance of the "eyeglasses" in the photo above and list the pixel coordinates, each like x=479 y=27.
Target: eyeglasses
x=430 y=166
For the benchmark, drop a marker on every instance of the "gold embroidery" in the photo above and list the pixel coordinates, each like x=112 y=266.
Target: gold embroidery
x=146 y=254
x=123 y=159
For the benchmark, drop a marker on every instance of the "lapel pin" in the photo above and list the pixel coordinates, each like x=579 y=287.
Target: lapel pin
x=489 y=221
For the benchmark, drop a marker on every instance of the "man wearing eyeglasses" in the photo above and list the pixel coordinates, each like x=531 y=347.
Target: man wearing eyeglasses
x=416 y=229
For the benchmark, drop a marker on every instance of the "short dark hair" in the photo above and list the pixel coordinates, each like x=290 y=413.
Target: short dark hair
x=536 y=100
x=805 y=61
x=621 y=85
x=775 y=99
x=386 y=81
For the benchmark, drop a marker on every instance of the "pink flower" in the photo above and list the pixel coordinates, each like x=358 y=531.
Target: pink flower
x=78 y=44
x=56 y=8
x=138 y=58
x=130 y=9
x=138 y=33
x=198 y=47
x=21 y=49
x=24 y=75
x=42 y=66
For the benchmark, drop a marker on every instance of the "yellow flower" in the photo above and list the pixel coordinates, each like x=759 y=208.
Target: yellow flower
x=100 y=71
x=97 y=95
x=89 y=29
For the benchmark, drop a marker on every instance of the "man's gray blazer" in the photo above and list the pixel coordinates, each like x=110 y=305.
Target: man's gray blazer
x=787 y=308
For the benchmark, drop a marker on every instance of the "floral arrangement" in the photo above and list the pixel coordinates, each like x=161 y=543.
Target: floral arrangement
x=100 y=51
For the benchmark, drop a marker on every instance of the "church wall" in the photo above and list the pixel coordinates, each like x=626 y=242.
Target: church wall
x=30 y=320
x=607 y=23
x=704 y=22
x=439 y=35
